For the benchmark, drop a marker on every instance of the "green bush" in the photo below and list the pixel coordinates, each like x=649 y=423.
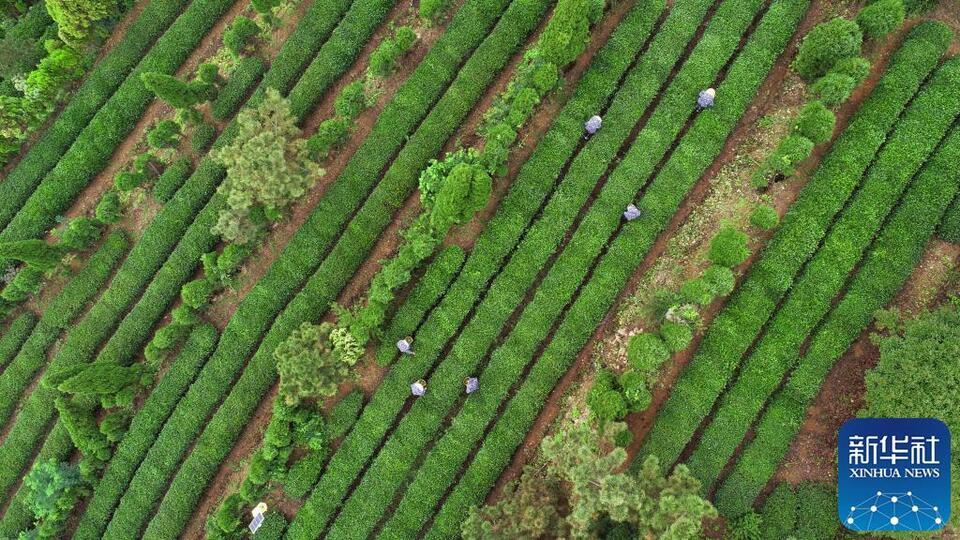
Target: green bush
x=331 y=134
x=164 y=134
x=351 y=101
x=881 y=17
x=697 y=291
x=827 y=43
x=856 y=67
x=80 y=233
x=720 y=280
x=431 y=9
x=128 y=180
x=815 y=122
x=676 y=335
x=764 y=217
x=791 y=151
x=238 y=37
x=728 y=247
x=646 y=352
x=833 y=89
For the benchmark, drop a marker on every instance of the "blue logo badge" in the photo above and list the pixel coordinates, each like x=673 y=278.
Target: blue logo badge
x=893 y=474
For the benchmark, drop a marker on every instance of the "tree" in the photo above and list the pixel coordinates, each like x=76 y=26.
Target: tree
x=268 y=166
x=239 y=34
x=309 y=363
x=728 y=247
x=33 y=252
x=178 y=94
x=651 y=505
x=881 y=17
x=52 y=491
x=75 y=17
x=917 y=375
x=529 y=508
x=827 y=43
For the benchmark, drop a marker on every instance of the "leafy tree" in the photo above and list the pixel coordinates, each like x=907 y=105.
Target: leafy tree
x=917 y=375
x=75 y=17
x=529 y=508
x=651 y=505
x=33 y=252
x=267 y=165
x=52 y=490
x=881 y=17
x=728 y=247
x=178 y=94
x=827 y=43
x=309 y=364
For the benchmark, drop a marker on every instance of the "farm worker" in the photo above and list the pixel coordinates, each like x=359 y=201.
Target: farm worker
x=404 y=345
x=472 y=384
x=705 y=99
x=631 y=213
x=419 y=387
x=592 y=125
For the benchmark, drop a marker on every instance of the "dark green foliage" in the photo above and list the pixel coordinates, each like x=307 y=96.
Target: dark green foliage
x=764 y=217
x=746 y=527
x=28 y=281
x=238 y=37
x=53 y=490
x=565 y=36
x=697 y=291
x=36 y=253
x=635 y=391
x=791 y=151
x=604 y=399
x=881 y=17
x=164 y=134
x=815 y=122
x=827 y=43
x=833 y=88
x=646 y=352
x=178 y=94
x=197 y=293
x=729 y=247
x=431 y=9
x=464 y=191
x=208 y=73
x=272 y=528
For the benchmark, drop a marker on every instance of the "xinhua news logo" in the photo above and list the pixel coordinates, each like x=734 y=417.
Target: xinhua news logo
x=893 y=474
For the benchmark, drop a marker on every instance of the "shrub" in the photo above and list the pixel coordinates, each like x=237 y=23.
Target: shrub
x=331 y=134
x=431 y=9
x=383 y=60
x=881 y=17
x=80 y=234
x=764 y=217
x=164 y=134
x=720 y=280
x=728 y=247
x=833 y=88
x=676 y=335
x=646 y=352
x=791 y=151
x=856 y=67
x=197 y=293
x=826 y=44
x=697 y=291
x=239 y=35
x=127 y=180
x=178 y=94
x=351 y=101
x=815 y=122
x=635 y=392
